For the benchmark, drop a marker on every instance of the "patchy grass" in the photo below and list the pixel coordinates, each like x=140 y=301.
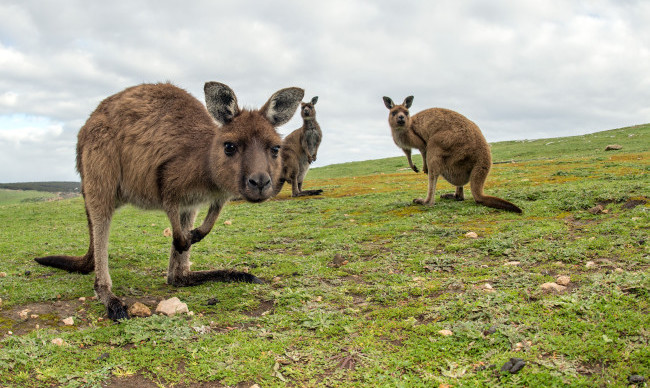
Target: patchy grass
x=374 y=319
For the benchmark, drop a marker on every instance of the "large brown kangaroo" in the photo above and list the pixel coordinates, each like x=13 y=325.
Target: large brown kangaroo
x=451 y=145
x=157 y=147
x=299 y=150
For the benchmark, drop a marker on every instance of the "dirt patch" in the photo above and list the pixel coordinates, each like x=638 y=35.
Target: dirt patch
x=139 y=381
x=26 y=318
x=631 y=204
x=265 y=307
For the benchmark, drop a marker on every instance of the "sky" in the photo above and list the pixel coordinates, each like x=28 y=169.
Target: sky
x=519 y=69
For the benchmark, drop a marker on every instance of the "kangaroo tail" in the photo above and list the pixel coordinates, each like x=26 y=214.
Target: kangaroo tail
x=81 y=264
x=497 y=203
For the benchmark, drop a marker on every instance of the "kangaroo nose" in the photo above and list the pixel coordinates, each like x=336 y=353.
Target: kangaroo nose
x=259 y=181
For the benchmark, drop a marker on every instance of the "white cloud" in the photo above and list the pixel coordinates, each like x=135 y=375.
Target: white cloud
x=518 y=69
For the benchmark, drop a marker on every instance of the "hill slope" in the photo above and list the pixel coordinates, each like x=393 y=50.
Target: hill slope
x=362 y=287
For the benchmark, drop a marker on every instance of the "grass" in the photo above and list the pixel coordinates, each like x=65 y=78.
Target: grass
x=376 y=320
x=17 y=196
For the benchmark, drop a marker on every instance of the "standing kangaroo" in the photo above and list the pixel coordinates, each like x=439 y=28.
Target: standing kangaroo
x=299 y=150
x=451 y=145
x=157 y=147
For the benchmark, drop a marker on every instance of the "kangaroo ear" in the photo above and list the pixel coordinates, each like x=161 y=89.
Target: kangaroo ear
x=408 y=101
x=388 y=102
x=221 y=102
x=314 y=100
x=282 y=105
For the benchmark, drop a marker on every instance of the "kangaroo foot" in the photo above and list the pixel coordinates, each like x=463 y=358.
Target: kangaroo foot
x=116 y=310
x=198 y=277
x=305 y=193
x=421 y=201
x=451 y=196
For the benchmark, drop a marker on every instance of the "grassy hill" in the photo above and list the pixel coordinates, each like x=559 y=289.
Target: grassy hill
x=362 y=287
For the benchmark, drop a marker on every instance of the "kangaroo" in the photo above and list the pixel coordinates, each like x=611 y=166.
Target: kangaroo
x=157 y=147
x=299 y=150
x=451 y=145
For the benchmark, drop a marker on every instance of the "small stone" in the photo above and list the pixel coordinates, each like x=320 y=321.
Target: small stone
x=255 y=386
x=445 y=332
x=33 y=316
x=635 y=379
x=3 y=274
x=598 y=209
x=171 y=307
x=513 y=366
x=69 y=321
x=512 y=263
x=138 y=309
x=487 y=287
x=590 y=264
x=0 y=302
x=552 y=287
x=563 y=280
x=212 y=301
x=227 y=222
x=82 y=299
x=471 y=235
x=619 y=270
x=490 y=331
x=167 y=232
x=613 y=147
x=23 y=314
x=58 y=341
x=338 y=261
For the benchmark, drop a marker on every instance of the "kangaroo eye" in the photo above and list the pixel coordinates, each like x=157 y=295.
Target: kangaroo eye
x=275 y=150
x=229 y=148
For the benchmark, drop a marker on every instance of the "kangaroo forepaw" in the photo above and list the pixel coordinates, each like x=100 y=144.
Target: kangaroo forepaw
x=196 y=236
x=116 y=310
x=415 y=168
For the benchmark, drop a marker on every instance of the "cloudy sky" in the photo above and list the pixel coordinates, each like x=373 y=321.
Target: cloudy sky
x=519 y=69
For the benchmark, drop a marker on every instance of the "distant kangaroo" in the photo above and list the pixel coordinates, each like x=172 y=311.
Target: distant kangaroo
x=157 y=147
x=451 y=145
x=299 y=150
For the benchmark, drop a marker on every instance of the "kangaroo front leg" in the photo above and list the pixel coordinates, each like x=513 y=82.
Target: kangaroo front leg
x=425 y=168
x=407 y=151
x=208 y=223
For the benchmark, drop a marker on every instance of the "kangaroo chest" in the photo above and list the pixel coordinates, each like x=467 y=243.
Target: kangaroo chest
x=312 y=136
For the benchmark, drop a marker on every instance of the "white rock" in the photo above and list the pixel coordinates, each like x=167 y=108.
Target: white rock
x=563 y=280
x=23 y=314
x=69 y=321
x=58 y=341
x=138 y=309
x=227 y=222
x=512 y=263
x=552 y=287
x=471 y=235
x=171 y=307
x=445 y=332
x=590 y=264
x=82 y=299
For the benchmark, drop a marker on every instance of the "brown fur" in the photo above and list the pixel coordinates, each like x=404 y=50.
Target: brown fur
x=157 y=147
x=451 y=145
x=299 y=150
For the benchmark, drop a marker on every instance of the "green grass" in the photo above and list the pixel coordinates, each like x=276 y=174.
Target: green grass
x=16 y=196
x=374 y=321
